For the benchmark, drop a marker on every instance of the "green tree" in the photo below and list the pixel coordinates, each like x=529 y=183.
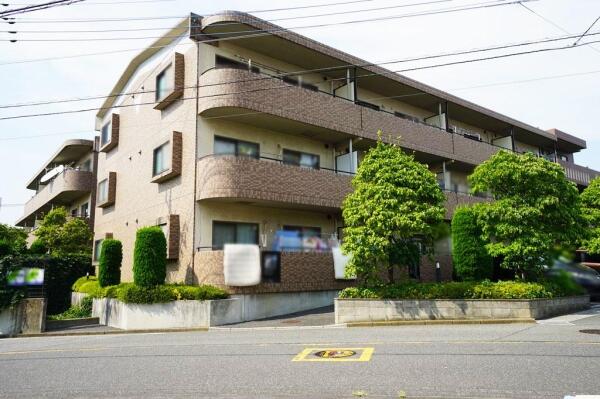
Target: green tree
x=590 y=206
x=109 y=265
x=534 y=210
x=150 y=257
x=392 y=213
x=470 y=258
x=63 y=235
x=12 y=240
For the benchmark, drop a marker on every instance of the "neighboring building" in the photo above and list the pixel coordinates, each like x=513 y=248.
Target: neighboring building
x=259 y=149
x=67 y=179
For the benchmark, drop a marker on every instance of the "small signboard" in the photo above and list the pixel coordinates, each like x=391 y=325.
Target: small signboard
x=27 y=276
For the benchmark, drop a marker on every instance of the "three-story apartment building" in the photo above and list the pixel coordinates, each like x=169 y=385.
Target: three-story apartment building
x=230 y=129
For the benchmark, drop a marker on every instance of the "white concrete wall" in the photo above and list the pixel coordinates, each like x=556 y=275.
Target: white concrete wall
x=366 y=310
x=10 y=322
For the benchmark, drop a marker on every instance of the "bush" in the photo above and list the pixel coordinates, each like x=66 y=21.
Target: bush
x=150 y=257
x=109 y=268
x=466 y=290
x=60 y=274
x=131 y=293
x=470 y=259
x=564 y=285
x=37 y=247
x=76 y=312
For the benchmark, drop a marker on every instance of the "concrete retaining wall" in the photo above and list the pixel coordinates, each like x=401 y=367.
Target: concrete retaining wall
x=28 y=317
x=198 y=314
x=77 y=298
x=10 y=321
x=367 y=310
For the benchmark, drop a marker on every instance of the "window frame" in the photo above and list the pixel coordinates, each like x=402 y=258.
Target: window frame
x=97 y=249
x=300 y=153
x=302 y=229
x=235 y=225
x=237 y=143
x=166 y=158
x=162 y=74
x=98 y=198
x=108 y=127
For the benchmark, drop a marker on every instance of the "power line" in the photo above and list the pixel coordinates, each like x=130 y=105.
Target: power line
x=505 y=83
x=549 y=21
x=324 y=69
x=97 y=2
x=586 y=31
x=237 y=23
x=262 y=32
x=37 y=7
x=287 y=86
x=127 y=50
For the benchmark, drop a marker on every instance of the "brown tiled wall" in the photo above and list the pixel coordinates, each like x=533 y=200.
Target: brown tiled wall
x=174 y=236
x=428 y=267
x=112 y=191
x=176 y=158
x=248 y=178
x=454 y=200
x=300 y=271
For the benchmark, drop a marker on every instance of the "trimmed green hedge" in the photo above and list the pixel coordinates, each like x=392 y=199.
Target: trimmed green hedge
x=467 y=290
x=109 y=266
x=60 y=274
x=131 y=293
x=150 y=257
x=470 y=259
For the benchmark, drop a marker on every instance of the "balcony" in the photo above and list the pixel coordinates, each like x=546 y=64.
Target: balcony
x=579 y=175
x=62 y=190
x=267 y=180
x=231 y=178
x=275 y=104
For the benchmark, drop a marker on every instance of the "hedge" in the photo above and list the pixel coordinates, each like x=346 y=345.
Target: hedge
x=132 y=293
x=150 y=257
x=467 y=290
x=60 y=274
x=470 y=259
x=109 y=265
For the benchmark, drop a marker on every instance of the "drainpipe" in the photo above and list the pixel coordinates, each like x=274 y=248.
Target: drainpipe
x=194 y=204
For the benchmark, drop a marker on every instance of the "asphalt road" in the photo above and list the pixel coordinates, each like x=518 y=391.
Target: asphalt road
x=548 y=360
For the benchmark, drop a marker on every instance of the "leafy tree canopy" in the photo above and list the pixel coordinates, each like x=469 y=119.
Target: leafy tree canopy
x=12 y=240
x=535 y=210
x=392 y=213
x=63 y=235
x=590 y=206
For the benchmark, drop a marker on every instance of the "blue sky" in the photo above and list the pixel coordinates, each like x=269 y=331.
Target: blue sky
x=553 y=89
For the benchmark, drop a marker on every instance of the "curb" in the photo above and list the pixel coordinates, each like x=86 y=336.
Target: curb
x=110 y=332
x=328 y=326
x=438 y=322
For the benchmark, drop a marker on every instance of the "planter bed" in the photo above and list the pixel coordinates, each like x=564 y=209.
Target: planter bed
x=175 y=314
x=373 y=310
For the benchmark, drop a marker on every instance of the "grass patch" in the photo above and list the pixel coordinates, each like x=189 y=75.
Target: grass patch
x=75 y=312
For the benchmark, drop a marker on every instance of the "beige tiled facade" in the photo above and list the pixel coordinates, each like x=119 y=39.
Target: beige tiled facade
x=324 y=112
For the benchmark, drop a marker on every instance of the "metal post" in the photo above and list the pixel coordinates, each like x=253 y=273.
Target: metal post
x=446 y=115
x=351 y=157
x=438 y=272
x=512 y=138
x=349 y=85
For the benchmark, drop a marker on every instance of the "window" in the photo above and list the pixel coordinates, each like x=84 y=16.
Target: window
x=161 y=159
x=164 y=83
x=234 y=233
x=103 y=191
x=226 y=146
x=224 y=62
x=85 y=210
x=300 y=159
x=106 y=133
x=97 y=249
x=74 y=212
